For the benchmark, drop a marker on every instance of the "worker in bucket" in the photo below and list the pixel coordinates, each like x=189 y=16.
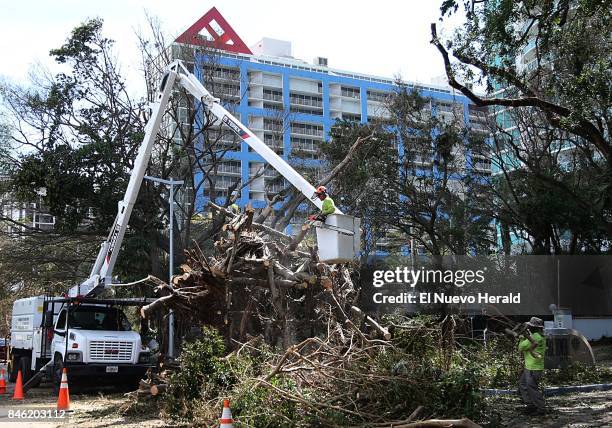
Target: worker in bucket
x=234 y=208
x=328 y=206
x=533 y=348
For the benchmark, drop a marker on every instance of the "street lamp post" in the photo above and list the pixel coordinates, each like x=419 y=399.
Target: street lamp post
x=170 y=183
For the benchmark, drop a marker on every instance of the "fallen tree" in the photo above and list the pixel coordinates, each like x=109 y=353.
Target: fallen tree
x=261 y=281
x=295 y=348
x=341 y=378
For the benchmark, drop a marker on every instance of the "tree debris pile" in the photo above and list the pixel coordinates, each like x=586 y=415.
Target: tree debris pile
x=342 y=378
x=260 y=283
x=302 y=352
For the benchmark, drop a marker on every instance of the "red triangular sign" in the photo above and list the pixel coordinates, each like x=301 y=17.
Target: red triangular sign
x=212 y=30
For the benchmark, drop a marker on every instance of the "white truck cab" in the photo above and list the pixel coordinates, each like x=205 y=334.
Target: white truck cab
x=90 y=337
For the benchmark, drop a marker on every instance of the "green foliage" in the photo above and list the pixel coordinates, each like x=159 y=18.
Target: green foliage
x=417 y=370
x=203 y=374
x=206 y=378
x=82 y=43
x=409 y=178
x=458 y=392
x=546 y=211
x=82 y=139
x=252 y=400
x=578 y=374
x=85 y=129
x=499 y=362
x=5 y=149
x=553 y=58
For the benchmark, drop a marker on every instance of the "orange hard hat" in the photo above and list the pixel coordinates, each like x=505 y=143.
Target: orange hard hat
x=321 y=189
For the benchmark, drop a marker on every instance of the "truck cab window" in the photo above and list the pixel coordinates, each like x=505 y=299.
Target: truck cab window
x=98 y=318
x=61 y=321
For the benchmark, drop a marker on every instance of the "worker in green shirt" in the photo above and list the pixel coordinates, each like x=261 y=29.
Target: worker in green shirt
x=234 y=208
x=328 y=206
x=533 y=348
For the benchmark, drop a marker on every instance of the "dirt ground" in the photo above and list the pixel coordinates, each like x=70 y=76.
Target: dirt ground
x=591 y=409
x=99 y=409
x=95 y=407
x=88 y=408
x=587 y=409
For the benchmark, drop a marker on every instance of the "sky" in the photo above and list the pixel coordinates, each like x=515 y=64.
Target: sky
x=383 y=37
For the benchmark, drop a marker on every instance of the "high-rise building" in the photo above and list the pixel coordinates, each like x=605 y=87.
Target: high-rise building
x=22 y=217
x=290 y=104
x=523 y=129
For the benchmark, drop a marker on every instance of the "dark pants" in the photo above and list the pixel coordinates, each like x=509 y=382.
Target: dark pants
x=529 y=388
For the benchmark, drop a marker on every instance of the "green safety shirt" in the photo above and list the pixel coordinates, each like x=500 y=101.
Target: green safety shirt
x=328 y=206
x=531 y=362
x=235 y=208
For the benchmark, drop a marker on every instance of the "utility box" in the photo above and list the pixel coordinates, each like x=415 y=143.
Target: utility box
x=339 y=242
x=563 y=318
x=565 y=346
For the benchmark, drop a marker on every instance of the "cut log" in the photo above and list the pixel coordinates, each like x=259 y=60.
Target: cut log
x=158 y=389
x=299 y=237
x=382 y=330
x=439 y=423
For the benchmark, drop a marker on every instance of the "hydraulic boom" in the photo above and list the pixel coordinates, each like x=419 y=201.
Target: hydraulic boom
x=101 y=272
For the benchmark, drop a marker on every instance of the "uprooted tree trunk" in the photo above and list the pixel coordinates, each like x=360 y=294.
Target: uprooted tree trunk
x=259 y=282
x=265 y=286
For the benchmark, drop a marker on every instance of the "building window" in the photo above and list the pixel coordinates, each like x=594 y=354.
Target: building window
x=273 y=95
x=307 y=129
x=351 y=117
x=306 y=100
x=275 y=142
x=378 y=96
x=274 y=125
x=350 y=92
x=272 y=106
x=221 y=184
x=221 y=73
x=305 y=148
x=229 y=167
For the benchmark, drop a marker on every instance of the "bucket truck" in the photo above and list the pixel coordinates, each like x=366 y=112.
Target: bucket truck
x=91 y=335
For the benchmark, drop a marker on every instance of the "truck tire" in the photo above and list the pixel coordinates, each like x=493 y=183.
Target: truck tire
x=13 y=368
x=56 y=373
x=132 y=383
x=25 y=365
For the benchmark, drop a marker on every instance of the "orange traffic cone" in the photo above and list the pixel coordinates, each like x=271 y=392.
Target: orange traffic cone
x=63 y=400
x=2 y=382
x=226 y=420
x=18 y=394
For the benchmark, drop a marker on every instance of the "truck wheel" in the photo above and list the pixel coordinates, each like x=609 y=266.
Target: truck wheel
x=26 y=370
x=132 y=383
x=56 y=375
x=13 y=368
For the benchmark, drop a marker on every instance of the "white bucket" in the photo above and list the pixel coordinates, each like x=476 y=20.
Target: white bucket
x=336 y=246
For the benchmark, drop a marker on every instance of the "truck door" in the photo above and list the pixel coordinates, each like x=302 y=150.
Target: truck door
x=59 y=334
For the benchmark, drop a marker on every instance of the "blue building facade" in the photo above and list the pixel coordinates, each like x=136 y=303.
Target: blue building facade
x=292 y=105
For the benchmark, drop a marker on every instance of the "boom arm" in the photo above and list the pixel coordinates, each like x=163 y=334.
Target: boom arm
x=102 y=270
x=195 y=88
x=101 y=273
